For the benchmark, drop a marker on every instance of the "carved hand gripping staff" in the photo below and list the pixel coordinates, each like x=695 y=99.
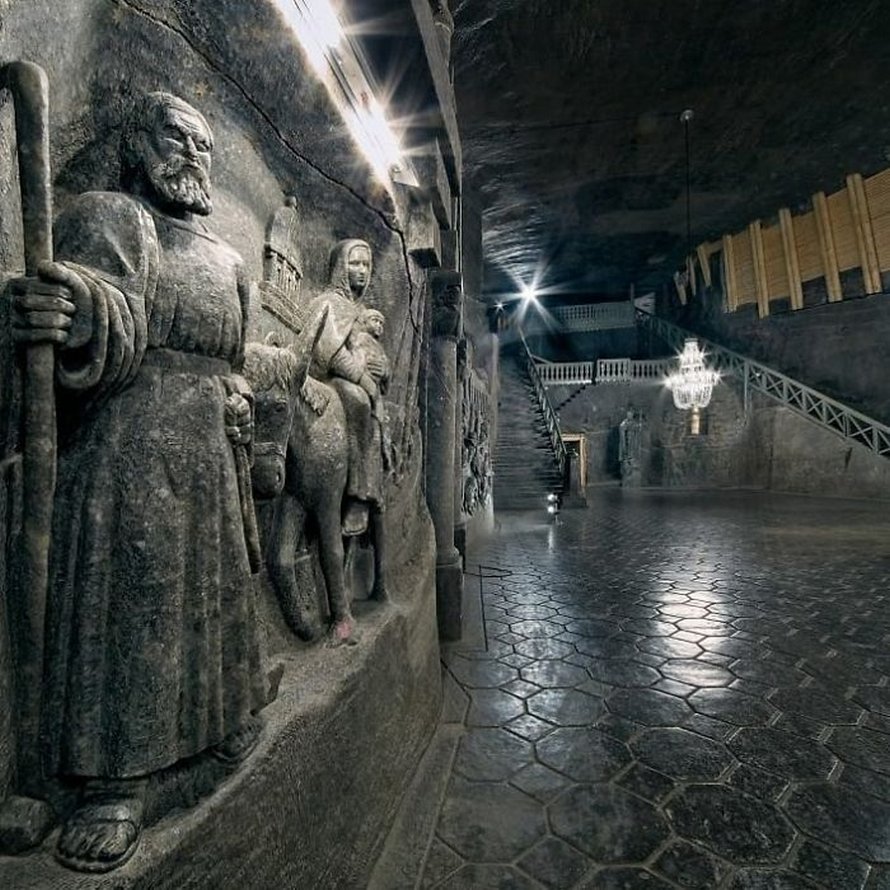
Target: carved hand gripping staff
x=28 y=86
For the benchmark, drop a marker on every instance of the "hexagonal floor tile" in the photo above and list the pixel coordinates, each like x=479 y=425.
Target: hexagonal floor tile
x=548 y=648
x=649 y=707
x=862 y=747
x=555 y=864
x=696 y=673
x=490 y=755
x=490 y=823
x=607 y=823
x=535 y=629
x=875 y=698
x=552 y=673
x=541 y=782
x=481 y=674
x=783 y=753
x=669 y=647
x=493 y=707
x=565 y=707
x=816 y=704
x=734 y=825
x=682 y=754
x=731 y=706
x=690 y=867
x=585 y=755
x=622 y=672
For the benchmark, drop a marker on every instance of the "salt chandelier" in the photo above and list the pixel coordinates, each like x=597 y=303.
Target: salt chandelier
x=692 y=383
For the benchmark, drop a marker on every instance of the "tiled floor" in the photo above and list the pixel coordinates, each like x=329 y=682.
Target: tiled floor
x=678 y=690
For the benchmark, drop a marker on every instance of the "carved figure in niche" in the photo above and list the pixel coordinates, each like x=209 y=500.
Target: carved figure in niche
x=152 y=650
x=339 y=363
x=630 y=449
x=319 y=443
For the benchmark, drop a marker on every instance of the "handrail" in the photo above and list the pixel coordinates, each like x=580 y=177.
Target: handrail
x=605 y=370
x=815 y=406
x=566 y=373
x=585 y=317
x=550 y=417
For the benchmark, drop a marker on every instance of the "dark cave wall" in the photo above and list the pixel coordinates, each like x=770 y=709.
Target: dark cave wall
x=768 y=448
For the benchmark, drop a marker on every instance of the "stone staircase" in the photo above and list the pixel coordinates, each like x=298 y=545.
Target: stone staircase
x=525 y=468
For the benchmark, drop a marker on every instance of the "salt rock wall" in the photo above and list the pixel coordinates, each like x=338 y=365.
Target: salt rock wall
x=312 y=805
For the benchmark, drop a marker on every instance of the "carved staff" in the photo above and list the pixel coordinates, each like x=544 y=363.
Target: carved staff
x=28 y=85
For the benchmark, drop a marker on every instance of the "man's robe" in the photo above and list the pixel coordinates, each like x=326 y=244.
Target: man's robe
x=152 y=648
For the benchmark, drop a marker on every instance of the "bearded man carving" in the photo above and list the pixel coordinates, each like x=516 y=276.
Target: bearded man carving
x=152 y=649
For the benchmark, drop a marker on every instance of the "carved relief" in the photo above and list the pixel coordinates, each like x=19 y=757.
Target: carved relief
x=476 y=447
x=283 y=267
x=152 y=651
x=321 y=435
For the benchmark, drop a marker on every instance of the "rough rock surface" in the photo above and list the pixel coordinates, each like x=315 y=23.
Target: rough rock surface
x=570 y=121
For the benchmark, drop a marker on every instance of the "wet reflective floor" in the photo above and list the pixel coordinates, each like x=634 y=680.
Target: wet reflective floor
x=674 y=691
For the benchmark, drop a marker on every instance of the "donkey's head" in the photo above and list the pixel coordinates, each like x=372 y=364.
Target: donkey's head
x=271 y=372
x=277 y=376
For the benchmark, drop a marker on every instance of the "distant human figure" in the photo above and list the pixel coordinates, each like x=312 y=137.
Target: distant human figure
x=630 y=449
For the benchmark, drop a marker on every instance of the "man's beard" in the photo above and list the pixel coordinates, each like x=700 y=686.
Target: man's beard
x=183 y=184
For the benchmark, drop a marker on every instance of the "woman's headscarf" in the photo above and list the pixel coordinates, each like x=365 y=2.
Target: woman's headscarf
x=338 y=269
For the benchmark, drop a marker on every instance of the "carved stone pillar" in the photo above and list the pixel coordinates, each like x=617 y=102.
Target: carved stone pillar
x=460 y=518
x=443 y=398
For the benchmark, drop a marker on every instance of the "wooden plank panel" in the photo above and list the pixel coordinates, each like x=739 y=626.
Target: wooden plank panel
x=792 y=266
x=865 y=239
x=845 y=245
x=877 y=192
x=704 y=261
x=744 y=269
x=826 y=245
x=761 y=286
x=809 y=255
x=881 y=227
x=730 y=288
x=774 y=262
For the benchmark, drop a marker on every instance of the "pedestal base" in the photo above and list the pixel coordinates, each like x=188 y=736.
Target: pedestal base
x=460 y=542
x=449 y=600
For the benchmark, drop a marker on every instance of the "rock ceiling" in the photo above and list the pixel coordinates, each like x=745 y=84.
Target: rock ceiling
x=569 y=113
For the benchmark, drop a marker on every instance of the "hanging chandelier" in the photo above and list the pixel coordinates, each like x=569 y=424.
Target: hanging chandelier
x=692 y=383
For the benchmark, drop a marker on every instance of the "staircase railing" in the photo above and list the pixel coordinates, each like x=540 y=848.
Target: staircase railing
x=550 y=417
x=566 y=373
x=605 y=370
x=822 y=410
x=585 y=317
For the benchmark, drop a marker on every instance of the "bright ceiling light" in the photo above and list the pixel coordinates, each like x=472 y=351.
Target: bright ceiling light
x=529 y=293
x=373 y=133
x=341 y=66
x=318 y=28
